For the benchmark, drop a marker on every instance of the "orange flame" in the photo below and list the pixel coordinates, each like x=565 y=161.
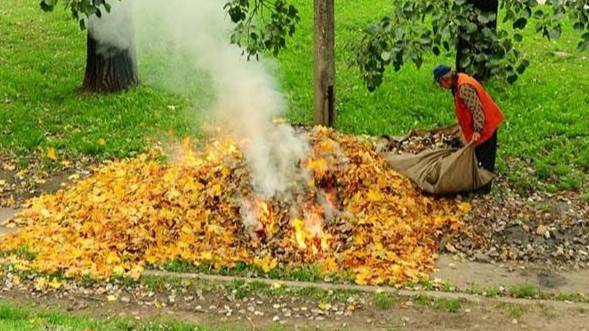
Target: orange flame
x=308 y=233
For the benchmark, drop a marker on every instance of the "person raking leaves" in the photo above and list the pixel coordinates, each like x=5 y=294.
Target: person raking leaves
x=478 y=115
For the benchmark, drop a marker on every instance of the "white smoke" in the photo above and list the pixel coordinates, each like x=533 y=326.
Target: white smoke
x=246 y=98
x=190 y=39
x=113 y=29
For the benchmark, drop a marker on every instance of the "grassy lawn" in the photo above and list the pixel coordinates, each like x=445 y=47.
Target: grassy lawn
x=17 y=318
x=42 y=62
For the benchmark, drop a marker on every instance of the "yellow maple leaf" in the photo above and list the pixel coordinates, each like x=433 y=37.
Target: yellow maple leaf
x=118 y=270
x=207 y=255
x=217 y=189
x=10 y=202
x=324 y=306
x=266 y=263
x=52 y=153
x=363 y=275
x=151 y=259
x=277 y=285
x=358 y=239
x=187 y=229
x=55 y=283
x=101 y=142
x=112 y=258
x=136 y=272
x=330 y=265
x=465 y=207
x=319 y=166
x=374 y=196
x=40 y=283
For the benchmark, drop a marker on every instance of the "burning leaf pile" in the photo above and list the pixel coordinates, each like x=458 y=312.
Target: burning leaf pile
x=350 y=214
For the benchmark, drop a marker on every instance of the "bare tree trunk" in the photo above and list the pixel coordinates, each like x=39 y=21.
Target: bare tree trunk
x=109 y=69
x=324 y=62
x=486 y=6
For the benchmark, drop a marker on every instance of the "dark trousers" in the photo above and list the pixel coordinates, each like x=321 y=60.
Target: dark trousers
x=486 y=154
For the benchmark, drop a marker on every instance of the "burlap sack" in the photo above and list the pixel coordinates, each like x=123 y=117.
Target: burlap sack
x=444 y=171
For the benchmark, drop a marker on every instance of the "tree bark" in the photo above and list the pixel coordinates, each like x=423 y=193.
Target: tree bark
x=109 y=69
x=486 y=6
x=324 y=62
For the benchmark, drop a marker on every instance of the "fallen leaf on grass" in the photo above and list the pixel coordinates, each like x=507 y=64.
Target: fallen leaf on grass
x=52 y=153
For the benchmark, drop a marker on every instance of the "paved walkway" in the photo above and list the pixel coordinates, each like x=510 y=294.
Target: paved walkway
x=6 y=214
x=466 y=274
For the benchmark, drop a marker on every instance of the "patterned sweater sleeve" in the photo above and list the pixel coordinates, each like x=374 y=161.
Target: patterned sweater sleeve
x=469 y=96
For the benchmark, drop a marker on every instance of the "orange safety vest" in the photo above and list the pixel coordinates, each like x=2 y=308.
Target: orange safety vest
x=493 y=115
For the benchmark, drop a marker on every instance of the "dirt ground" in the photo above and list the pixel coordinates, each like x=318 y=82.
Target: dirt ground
x=222 y=309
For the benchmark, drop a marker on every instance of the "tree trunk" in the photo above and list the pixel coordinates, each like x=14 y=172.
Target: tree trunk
x=324 y=62
x=109 y=69
x=486 y=6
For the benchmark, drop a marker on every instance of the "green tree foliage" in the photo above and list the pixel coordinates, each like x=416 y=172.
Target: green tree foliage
x=417 y=28
x=414 y=29
x=81 y=9
x=260 y=25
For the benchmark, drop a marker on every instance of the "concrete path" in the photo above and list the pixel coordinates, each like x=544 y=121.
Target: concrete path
x=365 y=288
x=465 y=274
x=6 y=214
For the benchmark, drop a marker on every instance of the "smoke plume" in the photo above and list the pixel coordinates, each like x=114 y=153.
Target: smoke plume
x=114 y=29
x=188 y=41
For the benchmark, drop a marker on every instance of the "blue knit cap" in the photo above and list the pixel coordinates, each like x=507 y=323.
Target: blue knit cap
x=440 y=71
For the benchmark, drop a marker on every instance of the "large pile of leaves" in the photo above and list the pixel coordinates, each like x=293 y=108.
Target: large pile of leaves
x=353 y=214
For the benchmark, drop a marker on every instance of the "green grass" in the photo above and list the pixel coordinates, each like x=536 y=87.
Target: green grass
x=573 y=297
x=524 y=291
x=439 y=304
x=17 y=318
x=21 y=252
x=547 y=110
x=513 y=310
x=42 y=62
x=307 y=273
x=492 y=292
x=385 y=300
